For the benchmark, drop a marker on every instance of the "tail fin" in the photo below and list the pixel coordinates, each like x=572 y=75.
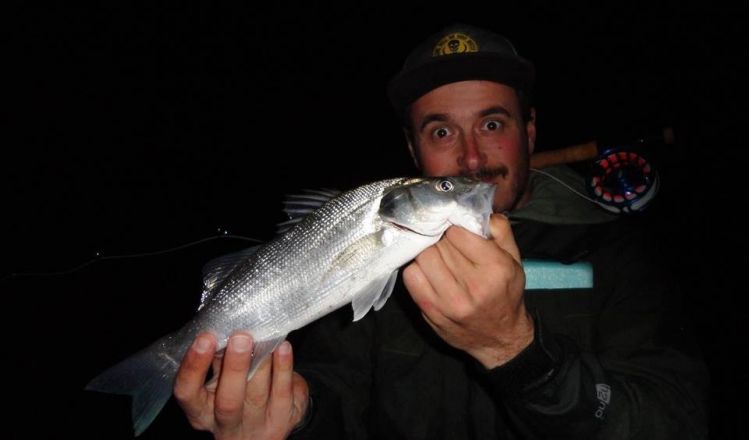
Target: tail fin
x=147 y=376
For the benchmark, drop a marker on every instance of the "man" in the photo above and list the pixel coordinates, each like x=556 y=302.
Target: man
x=468 y=352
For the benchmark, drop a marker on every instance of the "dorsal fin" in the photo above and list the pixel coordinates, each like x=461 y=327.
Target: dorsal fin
x=216 y=271
x=298 y=206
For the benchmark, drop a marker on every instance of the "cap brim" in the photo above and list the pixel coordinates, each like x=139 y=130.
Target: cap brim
x=410 y=85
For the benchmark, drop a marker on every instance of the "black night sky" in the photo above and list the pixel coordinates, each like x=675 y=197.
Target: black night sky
x=135 y=128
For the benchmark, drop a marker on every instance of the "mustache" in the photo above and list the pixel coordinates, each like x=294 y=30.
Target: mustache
x=488 y=173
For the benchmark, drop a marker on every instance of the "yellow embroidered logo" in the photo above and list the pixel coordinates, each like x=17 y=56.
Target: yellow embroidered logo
x=455 y=43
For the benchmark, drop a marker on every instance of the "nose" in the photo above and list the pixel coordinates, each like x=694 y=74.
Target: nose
x=471 y=158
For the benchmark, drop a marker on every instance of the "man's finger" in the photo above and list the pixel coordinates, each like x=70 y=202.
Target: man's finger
x=301 y=394
x=454 y=259
x=212 y=383
x=422 y=292
x=503 y=236
x=479 y=250
x=258 y=388
x=188 y=385
x=281 y=399
x=232 y=381
x=440 y=277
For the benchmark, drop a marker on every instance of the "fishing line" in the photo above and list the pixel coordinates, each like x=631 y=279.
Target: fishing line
x=625 y=174
x=100 y=257
x=561 y=182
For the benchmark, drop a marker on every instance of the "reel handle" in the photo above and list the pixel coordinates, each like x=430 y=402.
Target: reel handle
x=586 y=151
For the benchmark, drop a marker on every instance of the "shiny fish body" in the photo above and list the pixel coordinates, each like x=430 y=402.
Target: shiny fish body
x=346 y=251
x=306 y=272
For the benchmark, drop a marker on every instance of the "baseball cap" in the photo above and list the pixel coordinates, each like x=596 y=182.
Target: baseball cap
x=459 y=52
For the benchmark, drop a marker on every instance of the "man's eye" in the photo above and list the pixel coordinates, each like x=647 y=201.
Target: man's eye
x=492 y=125
x=441 y=132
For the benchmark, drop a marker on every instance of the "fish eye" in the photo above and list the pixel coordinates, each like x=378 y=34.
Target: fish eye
x=444 y=186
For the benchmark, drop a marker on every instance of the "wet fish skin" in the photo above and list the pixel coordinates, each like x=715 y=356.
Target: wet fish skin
x=348 y=250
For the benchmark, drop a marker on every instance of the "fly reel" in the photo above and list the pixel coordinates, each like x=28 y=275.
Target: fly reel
x=622 y=181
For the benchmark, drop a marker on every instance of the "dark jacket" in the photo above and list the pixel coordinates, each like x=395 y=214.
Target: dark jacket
x=614 y=361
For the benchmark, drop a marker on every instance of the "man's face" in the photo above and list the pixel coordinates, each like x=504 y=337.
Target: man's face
x=475 y=129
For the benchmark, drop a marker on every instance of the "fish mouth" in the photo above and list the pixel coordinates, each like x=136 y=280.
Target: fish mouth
x=407 y=229
x=477 y=219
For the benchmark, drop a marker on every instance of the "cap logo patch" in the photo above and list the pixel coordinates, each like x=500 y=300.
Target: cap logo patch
x=453 y=43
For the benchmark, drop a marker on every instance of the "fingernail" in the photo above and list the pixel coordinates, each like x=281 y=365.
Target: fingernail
x=284 y=348
x=240 y=343
x=202 y=345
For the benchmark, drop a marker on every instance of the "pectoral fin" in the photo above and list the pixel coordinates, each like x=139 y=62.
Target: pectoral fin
x=374 y=294
x=387 y=291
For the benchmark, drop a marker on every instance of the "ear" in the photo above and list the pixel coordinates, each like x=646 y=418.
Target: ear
x=530 y=130
x=411 y=148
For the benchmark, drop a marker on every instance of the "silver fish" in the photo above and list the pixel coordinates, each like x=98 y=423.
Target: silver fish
x=348 y=250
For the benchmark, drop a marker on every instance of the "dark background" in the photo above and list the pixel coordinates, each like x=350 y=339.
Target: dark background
x=134 y=128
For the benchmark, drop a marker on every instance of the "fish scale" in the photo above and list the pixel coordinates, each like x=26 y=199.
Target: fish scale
x=266 y=313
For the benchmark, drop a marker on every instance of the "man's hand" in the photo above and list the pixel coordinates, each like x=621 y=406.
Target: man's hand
x=470 y=291
x=267 y=407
